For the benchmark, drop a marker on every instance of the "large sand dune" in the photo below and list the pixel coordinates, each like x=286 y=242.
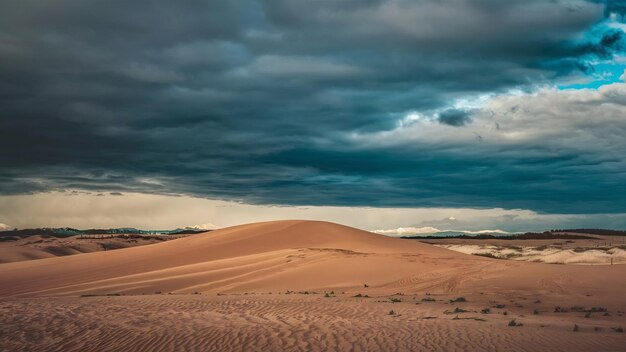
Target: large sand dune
x=261 y=286
x=272 y=255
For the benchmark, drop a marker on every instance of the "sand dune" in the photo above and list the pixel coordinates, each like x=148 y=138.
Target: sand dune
x=278 y=255
x=262 y=287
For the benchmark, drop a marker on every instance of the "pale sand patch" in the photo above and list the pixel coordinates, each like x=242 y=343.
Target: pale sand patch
x=552 y=255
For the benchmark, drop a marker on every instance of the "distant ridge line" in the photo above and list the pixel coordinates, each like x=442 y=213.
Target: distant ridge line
x=68 y=231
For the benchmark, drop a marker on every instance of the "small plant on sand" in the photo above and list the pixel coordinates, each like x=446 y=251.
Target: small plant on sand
x=575 y=327
x=500 y=306
x=505 y=313
x=618 y=329
x=485 y=311
x=326 y=295
x=514 y=323
x=597 y=309
x=358 y=295
x=458 y=299
x=395 y=300
x=428 y=299
x=391 y=312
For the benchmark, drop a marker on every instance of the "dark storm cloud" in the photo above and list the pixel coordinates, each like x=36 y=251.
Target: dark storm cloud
x=455 y=117
x=254 y=100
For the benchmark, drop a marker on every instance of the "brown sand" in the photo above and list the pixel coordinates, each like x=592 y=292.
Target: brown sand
x=236 y=268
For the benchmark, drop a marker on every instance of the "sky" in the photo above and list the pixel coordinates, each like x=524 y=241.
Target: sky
x=378 y=114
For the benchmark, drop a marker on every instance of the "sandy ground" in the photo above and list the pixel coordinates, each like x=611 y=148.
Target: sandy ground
x=40 y=247
x=263 y=322
x=262 y=287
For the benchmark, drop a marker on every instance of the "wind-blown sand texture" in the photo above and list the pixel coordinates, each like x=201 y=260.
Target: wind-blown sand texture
x=262 y=287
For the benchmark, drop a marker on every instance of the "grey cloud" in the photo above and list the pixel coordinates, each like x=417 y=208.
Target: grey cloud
x=258 y=100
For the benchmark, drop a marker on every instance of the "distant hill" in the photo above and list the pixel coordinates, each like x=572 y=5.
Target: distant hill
x=68 y=231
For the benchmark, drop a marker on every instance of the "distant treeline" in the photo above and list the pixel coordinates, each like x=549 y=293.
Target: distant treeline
x=603 y=232
x=548 y=235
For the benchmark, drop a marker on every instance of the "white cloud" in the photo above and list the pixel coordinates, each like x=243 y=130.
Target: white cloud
x=4 y=227
x=428 y=230
x=623 y=76
x=207 y=226
x=585 y=122
x=406 y=231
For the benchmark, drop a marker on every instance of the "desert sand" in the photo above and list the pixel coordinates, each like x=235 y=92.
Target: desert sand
x=306 y=285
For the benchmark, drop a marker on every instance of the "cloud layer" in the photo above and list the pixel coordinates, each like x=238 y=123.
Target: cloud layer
x=299 y=102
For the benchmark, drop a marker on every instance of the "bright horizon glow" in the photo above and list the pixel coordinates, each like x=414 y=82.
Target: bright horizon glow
x=158 y=212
